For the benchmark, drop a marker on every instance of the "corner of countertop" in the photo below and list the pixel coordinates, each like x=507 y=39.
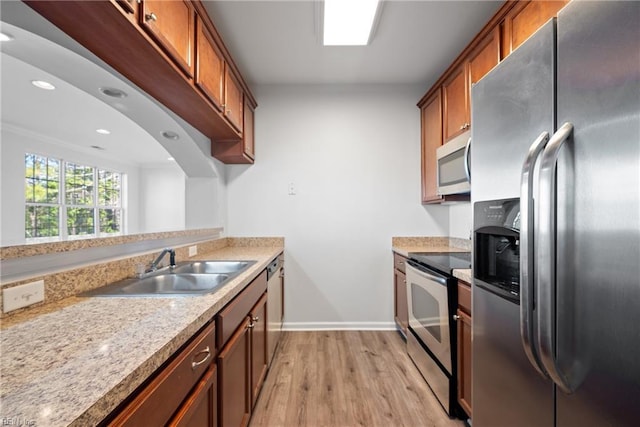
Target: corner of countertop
x=404 y=245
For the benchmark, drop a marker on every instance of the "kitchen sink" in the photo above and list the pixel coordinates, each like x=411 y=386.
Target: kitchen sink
x=211 y=267
x=187 y=278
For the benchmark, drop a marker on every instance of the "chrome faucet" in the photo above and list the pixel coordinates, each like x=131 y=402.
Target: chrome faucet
x=172 y=260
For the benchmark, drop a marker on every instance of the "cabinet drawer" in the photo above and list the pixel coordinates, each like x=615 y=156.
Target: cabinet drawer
x=235 y=312
x=399 y=262
x=158 y=401
x=464 y=296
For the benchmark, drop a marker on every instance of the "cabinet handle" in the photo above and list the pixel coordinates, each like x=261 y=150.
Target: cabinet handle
x=150 y=17
x=456 y=317
x=207 y=351
x=401 y=262
x=462 y=127
x=255 y=319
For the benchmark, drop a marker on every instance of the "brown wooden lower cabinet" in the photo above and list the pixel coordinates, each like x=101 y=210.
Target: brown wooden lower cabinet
x=259 y=358
x=464 y=347
x=400 y=309
x=157 y=402
x=201 y=408
x=233 y=380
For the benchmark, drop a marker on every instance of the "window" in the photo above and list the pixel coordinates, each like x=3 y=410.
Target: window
x=86 y=199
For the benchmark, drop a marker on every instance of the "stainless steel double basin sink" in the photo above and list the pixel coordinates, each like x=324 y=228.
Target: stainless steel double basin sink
x=186 y=278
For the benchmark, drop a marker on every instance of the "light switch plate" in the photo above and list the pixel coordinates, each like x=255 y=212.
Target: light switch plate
x=193 y=250
x=22 y=295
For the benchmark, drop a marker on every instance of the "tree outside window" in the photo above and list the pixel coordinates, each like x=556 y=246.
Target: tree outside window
x=85 y=198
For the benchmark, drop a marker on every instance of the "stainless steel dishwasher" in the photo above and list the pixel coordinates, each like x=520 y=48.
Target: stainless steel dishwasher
x=275 y=304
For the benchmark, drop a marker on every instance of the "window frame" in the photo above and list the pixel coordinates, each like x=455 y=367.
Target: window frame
x=63 y=206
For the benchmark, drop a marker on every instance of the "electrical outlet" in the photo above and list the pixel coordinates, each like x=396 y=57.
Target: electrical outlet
x=193 y=250
x=22 y=296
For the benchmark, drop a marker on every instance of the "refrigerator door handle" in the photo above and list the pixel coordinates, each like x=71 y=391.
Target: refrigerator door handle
x=467 y=160
x=546 y=245
x=527 y=251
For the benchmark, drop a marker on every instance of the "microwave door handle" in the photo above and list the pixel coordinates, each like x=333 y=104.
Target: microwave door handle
x=467 y=160
x=546 y=270
x=527 y=251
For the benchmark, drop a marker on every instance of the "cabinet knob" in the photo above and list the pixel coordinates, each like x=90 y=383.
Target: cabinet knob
x=251 y=325
x=150 y=17
x=462 y=127
x=255 y=319
x=456 y=317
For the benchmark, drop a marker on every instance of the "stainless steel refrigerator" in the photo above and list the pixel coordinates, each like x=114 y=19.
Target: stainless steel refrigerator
x=556 y=166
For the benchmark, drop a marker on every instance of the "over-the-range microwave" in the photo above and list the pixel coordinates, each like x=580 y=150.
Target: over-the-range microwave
x=454 y=173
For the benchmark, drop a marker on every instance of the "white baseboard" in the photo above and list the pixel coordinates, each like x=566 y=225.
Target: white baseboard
x=339 y=326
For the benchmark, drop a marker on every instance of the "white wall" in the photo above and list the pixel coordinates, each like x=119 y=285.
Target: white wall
x=162 y=207
x=14 y=143
x=460 y=220
x=353 y=156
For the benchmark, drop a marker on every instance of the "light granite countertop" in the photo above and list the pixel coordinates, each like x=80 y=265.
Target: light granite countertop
x=74 y=365
x=405 y=245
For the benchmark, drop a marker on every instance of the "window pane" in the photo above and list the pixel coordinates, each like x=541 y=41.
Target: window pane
x=80 y=221
x=41 y=221
x=42 y=179
x=79 y=184
x=108 y=188
x=110 y=220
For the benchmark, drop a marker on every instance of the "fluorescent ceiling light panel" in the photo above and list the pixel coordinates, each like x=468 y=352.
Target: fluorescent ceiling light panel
x=348 y=22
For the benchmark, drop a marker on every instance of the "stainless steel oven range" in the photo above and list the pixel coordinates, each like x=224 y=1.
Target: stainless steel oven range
x=432 y=296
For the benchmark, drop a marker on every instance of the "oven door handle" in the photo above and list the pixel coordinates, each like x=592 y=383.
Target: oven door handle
x=527 y=252
x=419 y=270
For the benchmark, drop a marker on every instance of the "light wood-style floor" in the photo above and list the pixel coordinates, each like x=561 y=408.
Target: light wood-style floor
x=344 y=379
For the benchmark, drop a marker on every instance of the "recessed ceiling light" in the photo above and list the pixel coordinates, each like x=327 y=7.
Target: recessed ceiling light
x=4 y=37
x=112 y=92
x=170 y=135
x=103 y=131
x=42 y=84
x=171 y=159
x=349 y=23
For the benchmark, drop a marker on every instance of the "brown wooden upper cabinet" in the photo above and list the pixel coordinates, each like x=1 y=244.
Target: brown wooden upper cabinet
x=456 y=89
x=209 y=66
x=248 y=130
x=484 y=57
x=455 y=95
x=431 y=139
x=524 y=19
x=233 y=101
x=171 y=23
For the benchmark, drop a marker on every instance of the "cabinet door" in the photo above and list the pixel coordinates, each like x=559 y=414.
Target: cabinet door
x=258 y=347
x=464 y=361
x=456 y=103
x=431 y=139
x=400 y=296
x=248 y=130
x=524 y=19
x=209 y=66
x=201 y=408
x=233 y=380
x=171 y=23
x=484 y=57
x=233 y=101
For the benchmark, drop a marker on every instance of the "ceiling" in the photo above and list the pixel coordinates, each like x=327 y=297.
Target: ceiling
x=277 y=42
x=70 y=114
